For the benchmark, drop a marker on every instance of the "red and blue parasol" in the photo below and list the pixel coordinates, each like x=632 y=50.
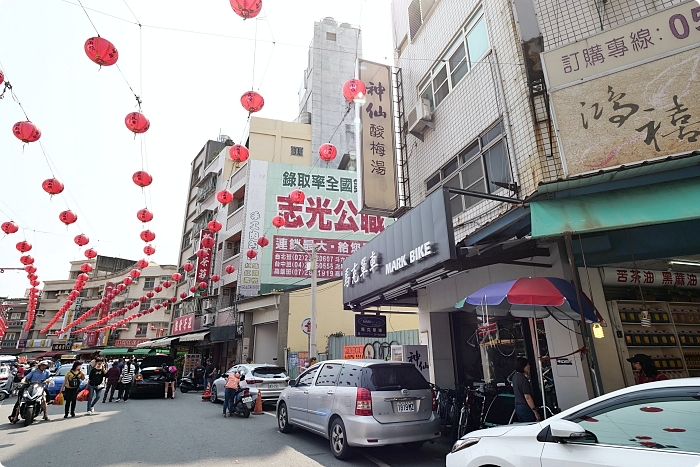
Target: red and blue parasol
x=531 y=297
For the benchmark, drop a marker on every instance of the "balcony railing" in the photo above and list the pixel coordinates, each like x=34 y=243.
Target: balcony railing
x=11 y=344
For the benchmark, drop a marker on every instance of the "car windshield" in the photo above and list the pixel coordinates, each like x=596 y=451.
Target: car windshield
x=269 y=372
x=156 y=361
x=63 y=370
x=393 y=378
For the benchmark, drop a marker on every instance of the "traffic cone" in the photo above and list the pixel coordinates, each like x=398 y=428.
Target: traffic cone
x=207 y=392
x=258 y=405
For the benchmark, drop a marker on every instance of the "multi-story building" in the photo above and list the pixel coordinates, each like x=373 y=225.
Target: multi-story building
x=15 y=310
x=107 y=272
x=333 y=53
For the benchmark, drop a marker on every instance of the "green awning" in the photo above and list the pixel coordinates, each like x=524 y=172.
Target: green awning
x=141 y=351
x=114 y=351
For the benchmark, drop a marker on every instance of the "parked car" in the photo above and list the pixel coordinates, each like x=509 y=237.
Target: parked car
x=60 y=375
x=645 y=426
x=5 y=372
x=270 y=380
x=149 y=380
x=361 y=403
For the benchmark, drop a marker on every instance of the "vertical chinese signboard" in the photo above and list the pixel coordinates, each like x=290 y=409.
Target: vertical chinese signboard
x=376 y=148
x=630 y=93
x=328 y=217
x=204 y=264
x=109 y=287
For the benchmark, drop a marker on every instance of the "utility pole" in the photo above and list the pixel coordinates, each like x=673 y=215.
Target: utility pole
x=313 y=349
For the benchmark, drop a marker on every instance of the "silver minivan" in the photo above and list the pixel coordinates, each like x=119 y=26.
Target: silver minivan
x=361 y=403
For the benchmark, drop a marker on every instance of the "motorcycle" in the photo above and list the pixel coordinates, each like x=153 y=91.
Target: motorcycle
x=7 y=388
x=190 y=383
x=30 y=404
x=243 y=403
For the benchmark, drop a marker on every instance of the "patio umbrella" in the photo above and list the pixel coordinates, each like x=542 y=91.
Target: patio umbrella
x=531 y=297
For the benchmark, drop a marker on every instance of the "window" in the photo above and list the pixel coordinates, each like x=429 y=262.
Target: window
x=417 y=14
x=236 y=204
x=483 y=166
x=149 y=282
x=328 y=375
x=16 y=316
x=394 y=377
x=187 y=240
x=307 y=378
x=297 y=151
x=330 y=36
x=469 y=47
x=144 y=306
x=141 y=329
x=10 y=336
x=667 y=419
x=232 y=249
x=350 y=376
x=164 y=278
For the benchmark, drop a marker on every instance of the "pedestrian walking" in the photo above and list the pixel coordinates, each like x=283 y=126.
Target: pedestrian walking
x=112 y=381
x=125 y=380
x=233 y=382
x=169 y=376
x=70 y=388
x=209 y=372
x=525 y=407
x=96 y=384
x=646 y=370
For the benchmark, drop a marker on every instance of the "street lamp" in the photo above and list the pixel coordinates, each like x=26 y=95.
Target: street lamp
x=313 y=351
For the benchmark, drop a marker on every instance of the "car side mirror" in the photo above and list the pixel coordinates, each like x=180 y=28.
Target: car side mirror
x=564 y=430
x=293 y=382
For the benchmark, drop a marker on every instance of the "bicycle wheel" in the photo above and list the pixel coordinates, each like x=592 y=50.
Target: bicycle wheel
x=463 y=422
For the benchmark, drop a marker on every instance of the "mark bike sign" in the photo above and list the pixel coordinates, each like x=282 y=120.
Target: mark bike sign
x=370 y=326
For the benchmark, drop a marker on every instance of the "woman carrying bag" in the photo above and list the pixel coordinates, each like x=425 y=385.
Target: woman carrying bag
x=96 y=384
x=70 y=388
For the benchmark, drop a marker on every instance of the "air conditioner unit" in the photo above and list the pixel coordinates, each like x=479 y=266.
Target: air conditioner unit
x=208 y=319
x=420 y=118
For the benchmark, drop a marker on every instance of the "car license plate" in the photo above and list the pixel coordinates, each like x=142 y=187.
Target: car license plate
x=405 y=407
x=273 y=386
x=247 y=400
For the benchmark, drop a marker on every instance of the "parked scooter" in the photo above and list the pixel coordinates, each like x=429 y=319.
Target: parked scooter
x=243 y=403
x=30 y=405
x=190 y=383
x=6 y=390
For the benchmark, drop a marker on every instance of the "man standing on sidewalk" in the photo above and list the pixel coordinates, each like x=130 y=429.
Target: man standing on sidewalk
x=112 y=381
x=125 y=380
x=209 y=374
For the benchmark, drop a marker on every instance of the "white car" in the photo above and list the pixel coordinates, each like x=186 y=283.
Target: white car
x=649 y=425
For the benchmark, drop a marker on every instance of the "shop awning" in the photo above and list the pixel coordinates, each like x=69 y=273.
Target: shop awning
x=156 y=343
x=141 y=351
x=114 y=351
x=194 y=337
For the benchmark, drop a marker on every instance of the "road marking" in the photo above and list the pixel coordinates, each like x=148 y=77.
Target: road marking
x=270 y=414
x=375 y=460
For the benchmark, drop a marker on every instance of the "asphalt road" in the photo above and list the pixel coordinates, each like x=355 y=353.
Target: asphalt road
x=181 y=432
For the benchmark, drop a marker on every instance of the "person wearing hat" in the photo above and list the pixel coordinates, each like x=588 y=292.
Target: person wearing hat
x=646 y=370
x=37 y=375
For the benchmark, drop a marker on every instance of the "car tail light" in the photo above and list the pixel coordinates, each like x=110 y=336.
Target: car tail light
x=253 y=381
x=363 y=404
x=139 y=378
x=432 y=390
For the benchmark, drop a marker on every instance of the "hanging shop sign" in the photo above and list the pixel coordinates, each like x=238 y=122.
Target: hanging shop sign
x=128 y=342
x=375 y=141
x=646 y=278
x=627 y=94
x=370 y=326
x=353 y=352
x=183 y=324
x=420 y=241
x=61 y=347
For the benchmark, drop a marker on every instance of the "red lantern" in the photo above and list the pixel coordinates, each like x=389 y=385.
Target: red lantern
x=188 y=267
x=207 y=242
x=149 y=250
x=297 y=196
x=193 y=289
x=28 y=261
x=9 y=227
x=52 y=186
x=158 y=288
x=327 y=152
x=214 y=226
x=246 y=8
x=158 y=306
x=202 y=253
x=176 y=276
x=83 y=277
x=121 y=287
x=354 y=89
x=81 y=240
x=215 y=278
x=148 y=236
x=263 y=241
x=143 y=299
x=251 y=254
x=144 y=215
x=230 y=269
x=142 y=263
x=167 y=284
x=278 y=221
x=183 y=295
x=238 y=153
x=86 y=267
x=127 y=280
x=174 y=299
x=142 y=179
x=67 y=217
x=150 y=294
x=2 y=77
x=101 y=51
x=90 y=253
x=203 y=285
x=23 y=246
x=224 y=196
x=35 y=283
x=27 y=132
x=252 y=101
x=135 y=273
x=137 y=122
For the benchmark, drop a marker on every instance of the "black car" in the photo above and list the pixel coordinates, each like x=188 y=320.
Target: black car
x=150 y=381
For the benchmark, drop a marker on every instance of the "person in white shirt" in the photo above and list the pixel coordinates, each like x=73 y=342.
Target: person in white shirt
x=125 y=380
